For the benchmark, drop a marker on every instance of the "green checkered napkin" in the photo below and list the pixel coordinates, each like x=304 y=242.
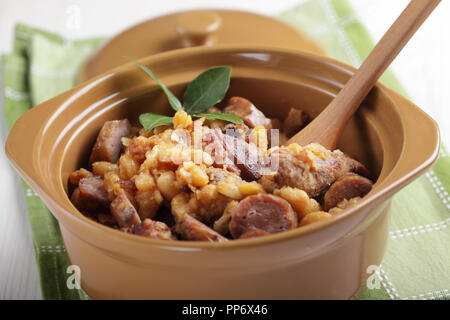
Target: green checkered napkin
x=42 y=66
x=417 y=260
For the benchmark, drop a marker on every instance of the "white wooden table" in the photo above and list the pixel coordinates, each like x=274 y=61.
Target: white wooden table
x=423 y=67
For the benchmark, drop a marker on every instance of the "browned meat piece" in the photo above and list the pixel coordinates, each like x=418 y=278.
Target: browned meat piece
x=295 y=120
x=191 y=229
x=233 y=152
x=128 y=186
x=216 y=174
x=109 y=145
x=123 y=210
x=264 y=212
x=245 y=110
x=107 y=219
x=214 y=145
x=238 y=129
x=347 y=187
x=249 y=162
x=153 y=229
x=254 y=233
x=93 y=195
x=313 y=169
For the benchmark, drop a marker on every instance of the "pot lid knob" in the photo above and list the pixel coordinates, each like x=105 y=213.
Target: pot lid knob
x=197 y=27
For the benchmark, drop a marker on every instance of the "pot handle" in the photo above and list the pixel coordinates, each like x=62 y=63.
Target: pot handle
x=23 y=142
x=418 y=153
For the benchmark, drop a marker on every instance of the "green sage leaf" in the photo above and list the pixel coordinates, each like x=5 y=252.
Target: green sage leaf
x=153 y=120
x=173 y=100
x=206 y=90
x=221 y=116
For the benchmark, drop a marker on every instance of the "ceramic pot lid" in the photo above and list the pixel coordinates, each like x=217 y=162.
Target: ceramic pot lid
x=195 y=28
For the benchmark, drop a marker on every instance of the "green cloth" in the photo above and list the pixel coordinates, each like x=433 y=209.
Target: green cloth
x=417 y=260
x=42 y=66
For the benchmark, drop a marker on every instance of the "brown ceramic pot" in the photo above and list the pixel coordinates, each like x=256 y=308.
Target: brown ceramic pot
x=326 y=260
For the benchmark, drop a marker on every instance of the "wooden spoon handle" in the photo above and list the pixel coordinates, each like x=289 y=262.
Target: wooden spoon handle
x=328 y=126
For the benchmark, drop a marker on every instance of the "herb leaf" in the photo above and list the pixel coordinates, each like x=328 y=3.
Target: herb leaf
x=200 y=95
x=173 y=100
x=221 y=116
x=207 y=89
x=153 y=120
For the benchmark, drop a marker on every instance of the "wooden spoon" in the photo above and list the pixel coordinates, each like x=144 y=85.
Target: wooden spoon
x=327 y=127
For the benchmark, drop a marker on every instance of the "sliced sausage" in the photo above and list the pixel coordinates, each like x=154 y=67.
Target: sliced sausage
x=123 y=210
x=107 y=219
x=152 y=229
x=312 y=169
x=93 y=194
x=264 y=212
x=191 y=229
x=254 y=234
x=347 y=187
x=108 y=144
x=245 y=110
